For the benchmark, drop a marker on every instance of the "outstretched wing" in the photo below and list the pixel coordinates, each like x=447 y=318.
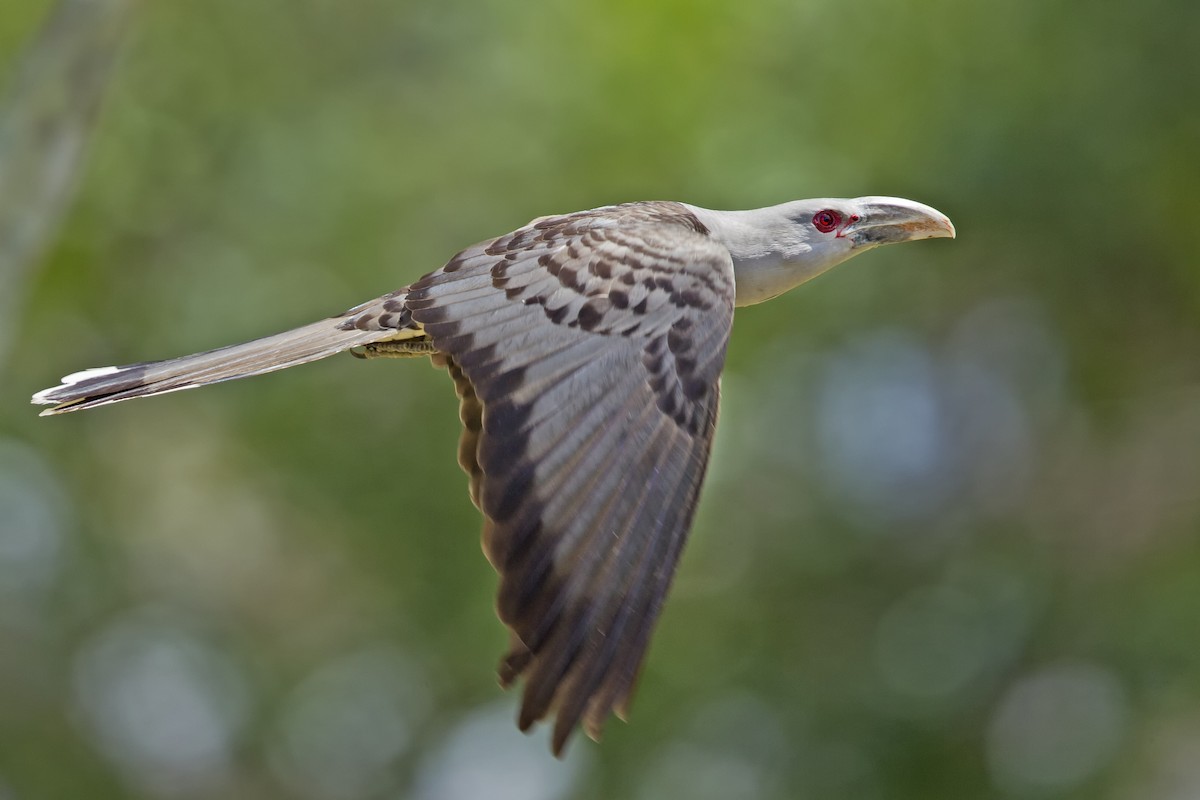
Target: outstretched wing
x=587 y=349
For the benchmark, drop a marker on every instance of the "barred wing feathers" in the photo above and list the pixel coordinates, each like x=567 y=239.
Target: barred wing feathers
x=587 y=351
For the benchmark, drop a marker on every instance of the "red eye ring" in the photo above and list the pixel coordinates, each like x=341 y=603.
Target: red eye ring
x=825 y=221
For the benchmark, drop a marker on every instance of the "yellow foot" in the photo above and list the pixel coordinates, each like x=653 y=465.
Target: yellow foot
x=406 y=348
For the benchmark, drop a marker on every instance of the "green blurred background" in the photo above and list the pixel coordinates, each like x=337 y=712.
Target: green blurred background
x=951 y=542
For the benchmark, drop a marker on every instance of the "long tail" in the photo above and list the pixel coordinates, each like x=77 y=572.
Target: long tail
x=104 y=385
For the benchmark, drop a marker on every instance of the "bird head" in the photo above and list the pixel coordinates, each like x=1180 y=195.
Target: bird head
x=842 y=228
x=777 y=248
x=829 y=230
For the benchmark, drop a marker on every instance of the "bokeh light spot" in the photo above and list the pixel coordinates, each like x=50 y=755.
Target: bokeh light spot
x=162 y=704
x=345 y=726
x=32 y=507
x=1057 y=728
x=879 y=427
x=482 y=757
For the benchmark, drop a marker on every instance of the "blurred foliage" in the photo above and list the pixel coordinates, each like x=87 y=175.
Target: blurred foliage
x=46 y=119
x=951 y=542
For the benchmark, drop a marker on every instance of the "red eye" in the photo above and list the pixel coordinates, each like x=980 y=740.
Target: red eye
x=826 y=220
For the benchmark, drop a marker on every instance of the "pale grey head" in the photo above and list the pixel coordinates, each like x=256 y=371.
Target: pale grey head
x=779 y=247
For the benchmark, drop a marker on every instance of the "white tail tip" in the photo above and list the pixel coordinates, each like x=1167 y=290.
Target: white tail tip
x=44 y=397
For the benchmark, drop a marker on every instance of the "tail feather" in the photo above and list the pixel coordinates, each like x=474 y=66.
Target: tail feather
x=104 y=385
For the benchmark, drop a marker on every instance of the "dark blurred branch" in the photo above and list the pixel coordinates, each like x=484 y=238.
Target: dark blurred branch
x=47 y=114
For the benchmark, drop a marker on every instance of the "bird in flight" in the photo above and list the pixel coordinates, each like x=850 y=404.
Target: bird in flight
x=586 y=350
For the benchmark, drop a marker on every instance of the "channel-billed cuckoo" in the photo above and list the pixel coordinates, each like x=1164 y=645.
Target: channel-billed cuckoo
x=586 y=350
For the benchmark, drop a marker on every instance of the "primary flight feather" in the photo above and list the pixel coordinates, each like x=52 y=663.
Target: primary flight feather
x=586 y=350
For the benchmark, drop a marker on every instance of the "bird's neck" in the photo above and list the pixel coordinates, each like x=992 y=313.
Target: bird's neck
x=769 y=255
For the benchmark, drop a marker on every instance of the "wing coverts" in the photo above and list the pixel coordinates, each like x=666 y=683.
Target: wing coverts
x=586 y=350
